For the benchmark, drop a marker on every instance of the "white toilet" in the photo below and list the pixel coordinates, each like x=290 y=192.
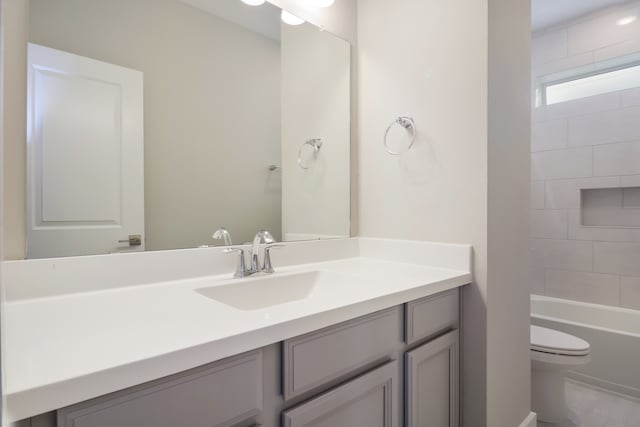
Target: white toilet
x=553 y=353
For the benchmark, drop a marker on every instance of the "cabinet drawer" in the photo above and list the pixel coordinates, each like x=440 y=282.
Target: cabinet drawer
x=428 y=316
x=322 y=356
x=369 y=400
x=221 y=395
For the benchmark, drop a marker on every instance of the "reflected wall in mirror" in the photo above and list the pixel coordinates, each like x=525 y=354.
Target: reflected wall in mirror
x=167 y=119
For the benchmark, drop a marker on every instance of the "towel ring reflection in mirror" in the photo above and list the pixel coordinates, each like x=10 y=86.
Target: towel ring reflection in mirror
x=409 y=125
x=316 y=144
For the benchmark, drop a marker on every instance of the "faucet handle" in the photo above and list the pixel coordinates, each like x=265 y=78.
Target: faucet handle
x=241 y=269
x=267 y=266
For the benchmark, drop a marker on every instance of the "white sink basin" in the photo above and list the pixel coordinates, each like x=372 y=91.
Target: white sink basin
x=268 y=291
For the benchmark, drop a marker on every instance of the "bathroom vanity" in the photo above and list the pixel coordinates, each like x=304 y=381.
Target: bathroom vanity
x=352 y=373
x=355 y=338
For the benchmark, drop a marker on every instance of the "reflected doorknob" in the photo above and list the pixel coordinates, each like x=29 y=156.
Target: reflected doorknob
x=133 y=240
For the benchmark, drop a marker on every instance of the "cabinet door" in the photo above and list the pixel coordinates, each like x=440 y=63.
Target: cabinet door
x=224 y=394
x=367 y=401
x=431 y=383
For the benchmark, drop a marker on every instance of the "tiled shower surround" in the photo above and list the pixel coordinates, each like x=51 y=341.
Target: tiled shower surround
x=589 y=143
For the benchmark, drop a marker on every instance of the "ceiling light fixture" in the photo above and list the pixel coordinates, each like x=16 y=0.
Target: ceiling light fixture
x=253 y=2
x=323 y=3
x=626 y=20
x=291 y=19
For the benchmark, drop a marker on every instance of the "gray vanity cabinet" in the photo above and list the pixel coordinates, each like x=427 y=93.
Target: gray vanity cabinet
x=390 y=368
x=223 y=394
x=431 y=383
x=368 y=400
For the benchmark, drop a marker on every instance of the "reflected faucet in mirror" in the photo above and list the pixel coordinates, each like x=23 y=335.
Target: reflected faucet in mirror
x=223 y=234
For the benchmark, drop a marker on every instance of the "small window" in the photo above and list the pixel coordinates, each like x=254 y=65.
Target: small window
x=581 y=87
x=593 y=79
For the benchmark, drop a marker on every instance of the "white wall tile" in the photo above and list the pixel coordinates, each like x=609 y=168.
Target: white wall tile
x=563 y=254
x=631 y=198
x=596 y=123
x=537 y=114
x=580 y=286
x=630 y=181
x=537 y=280
x=631 y=97
x=613 y=51
x=568 y=163
x=605 y=127
x=537 y=194
x=578 y=107
x=630 y=292
x=564 y=64
x=565 y=193
x=575 y=229
x=603 y=234
x=616 y=159
x=549 y=224
x=549 y=135
x=598 y=33
x=611 y=217
x=548 y=47
x=536 y=256
x=617 y=258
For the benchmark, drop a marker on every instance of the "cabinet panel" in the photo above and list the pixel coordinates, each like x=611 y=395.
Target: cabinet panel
x=428 y=316
x=431 y=383
x=369 y=400
x=221 y=395
x=322 y=356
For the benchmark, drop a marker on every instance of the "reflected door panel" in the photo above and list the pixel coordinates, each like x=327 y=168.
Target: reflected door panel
x=85 y=155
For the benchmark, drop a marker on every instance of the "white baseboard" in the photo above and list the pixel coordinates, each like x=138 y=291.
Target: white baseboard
x=530 y=421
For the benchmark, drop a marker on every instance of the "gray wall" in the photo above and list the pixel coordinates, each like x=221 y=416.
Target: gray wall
x=508 y=302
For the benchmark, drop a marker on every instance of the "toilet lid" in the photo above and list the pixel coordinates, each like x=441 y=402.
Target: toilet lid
x=556 y=342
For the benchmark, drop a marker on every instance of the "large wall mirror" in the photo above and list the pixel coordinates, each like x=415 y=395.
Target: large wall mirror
x=153 y=123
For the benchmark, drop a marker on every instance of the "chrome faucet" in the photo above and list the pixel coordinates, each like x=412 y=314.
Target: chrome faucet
x=263 y=237
x=222 y=233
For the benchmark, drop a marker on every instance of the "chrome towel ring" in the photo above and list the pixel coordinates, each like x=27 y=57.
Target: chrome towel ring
x=409 y=125
x=316 y=143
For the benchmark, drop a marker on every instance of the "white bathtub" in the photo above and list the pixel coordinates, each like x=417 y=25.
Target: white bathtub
x=614 y=335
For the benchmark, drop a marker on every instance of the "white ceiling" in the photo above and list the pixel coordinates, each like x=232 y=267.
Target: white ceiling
x=263 y=19
x=546 y=13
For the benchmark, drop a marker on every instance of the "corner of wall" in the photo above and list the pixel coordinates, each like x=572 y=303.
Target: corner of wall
x=14 y=18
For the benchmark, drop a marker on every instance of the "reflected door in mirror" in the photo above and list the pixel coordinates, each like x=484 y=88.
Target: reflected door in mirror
x=85 y=155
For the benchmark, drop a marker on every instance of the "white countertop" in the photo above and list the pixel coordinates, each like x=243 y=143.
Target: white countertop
x=68 y=348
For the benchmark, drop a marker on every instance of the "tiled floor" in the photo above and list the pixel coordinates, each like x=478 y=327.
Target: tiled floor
x=591 y=407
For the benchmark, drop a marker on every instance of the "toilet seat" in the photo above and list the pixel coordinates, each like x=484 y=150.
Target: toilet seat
x=547 y=340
